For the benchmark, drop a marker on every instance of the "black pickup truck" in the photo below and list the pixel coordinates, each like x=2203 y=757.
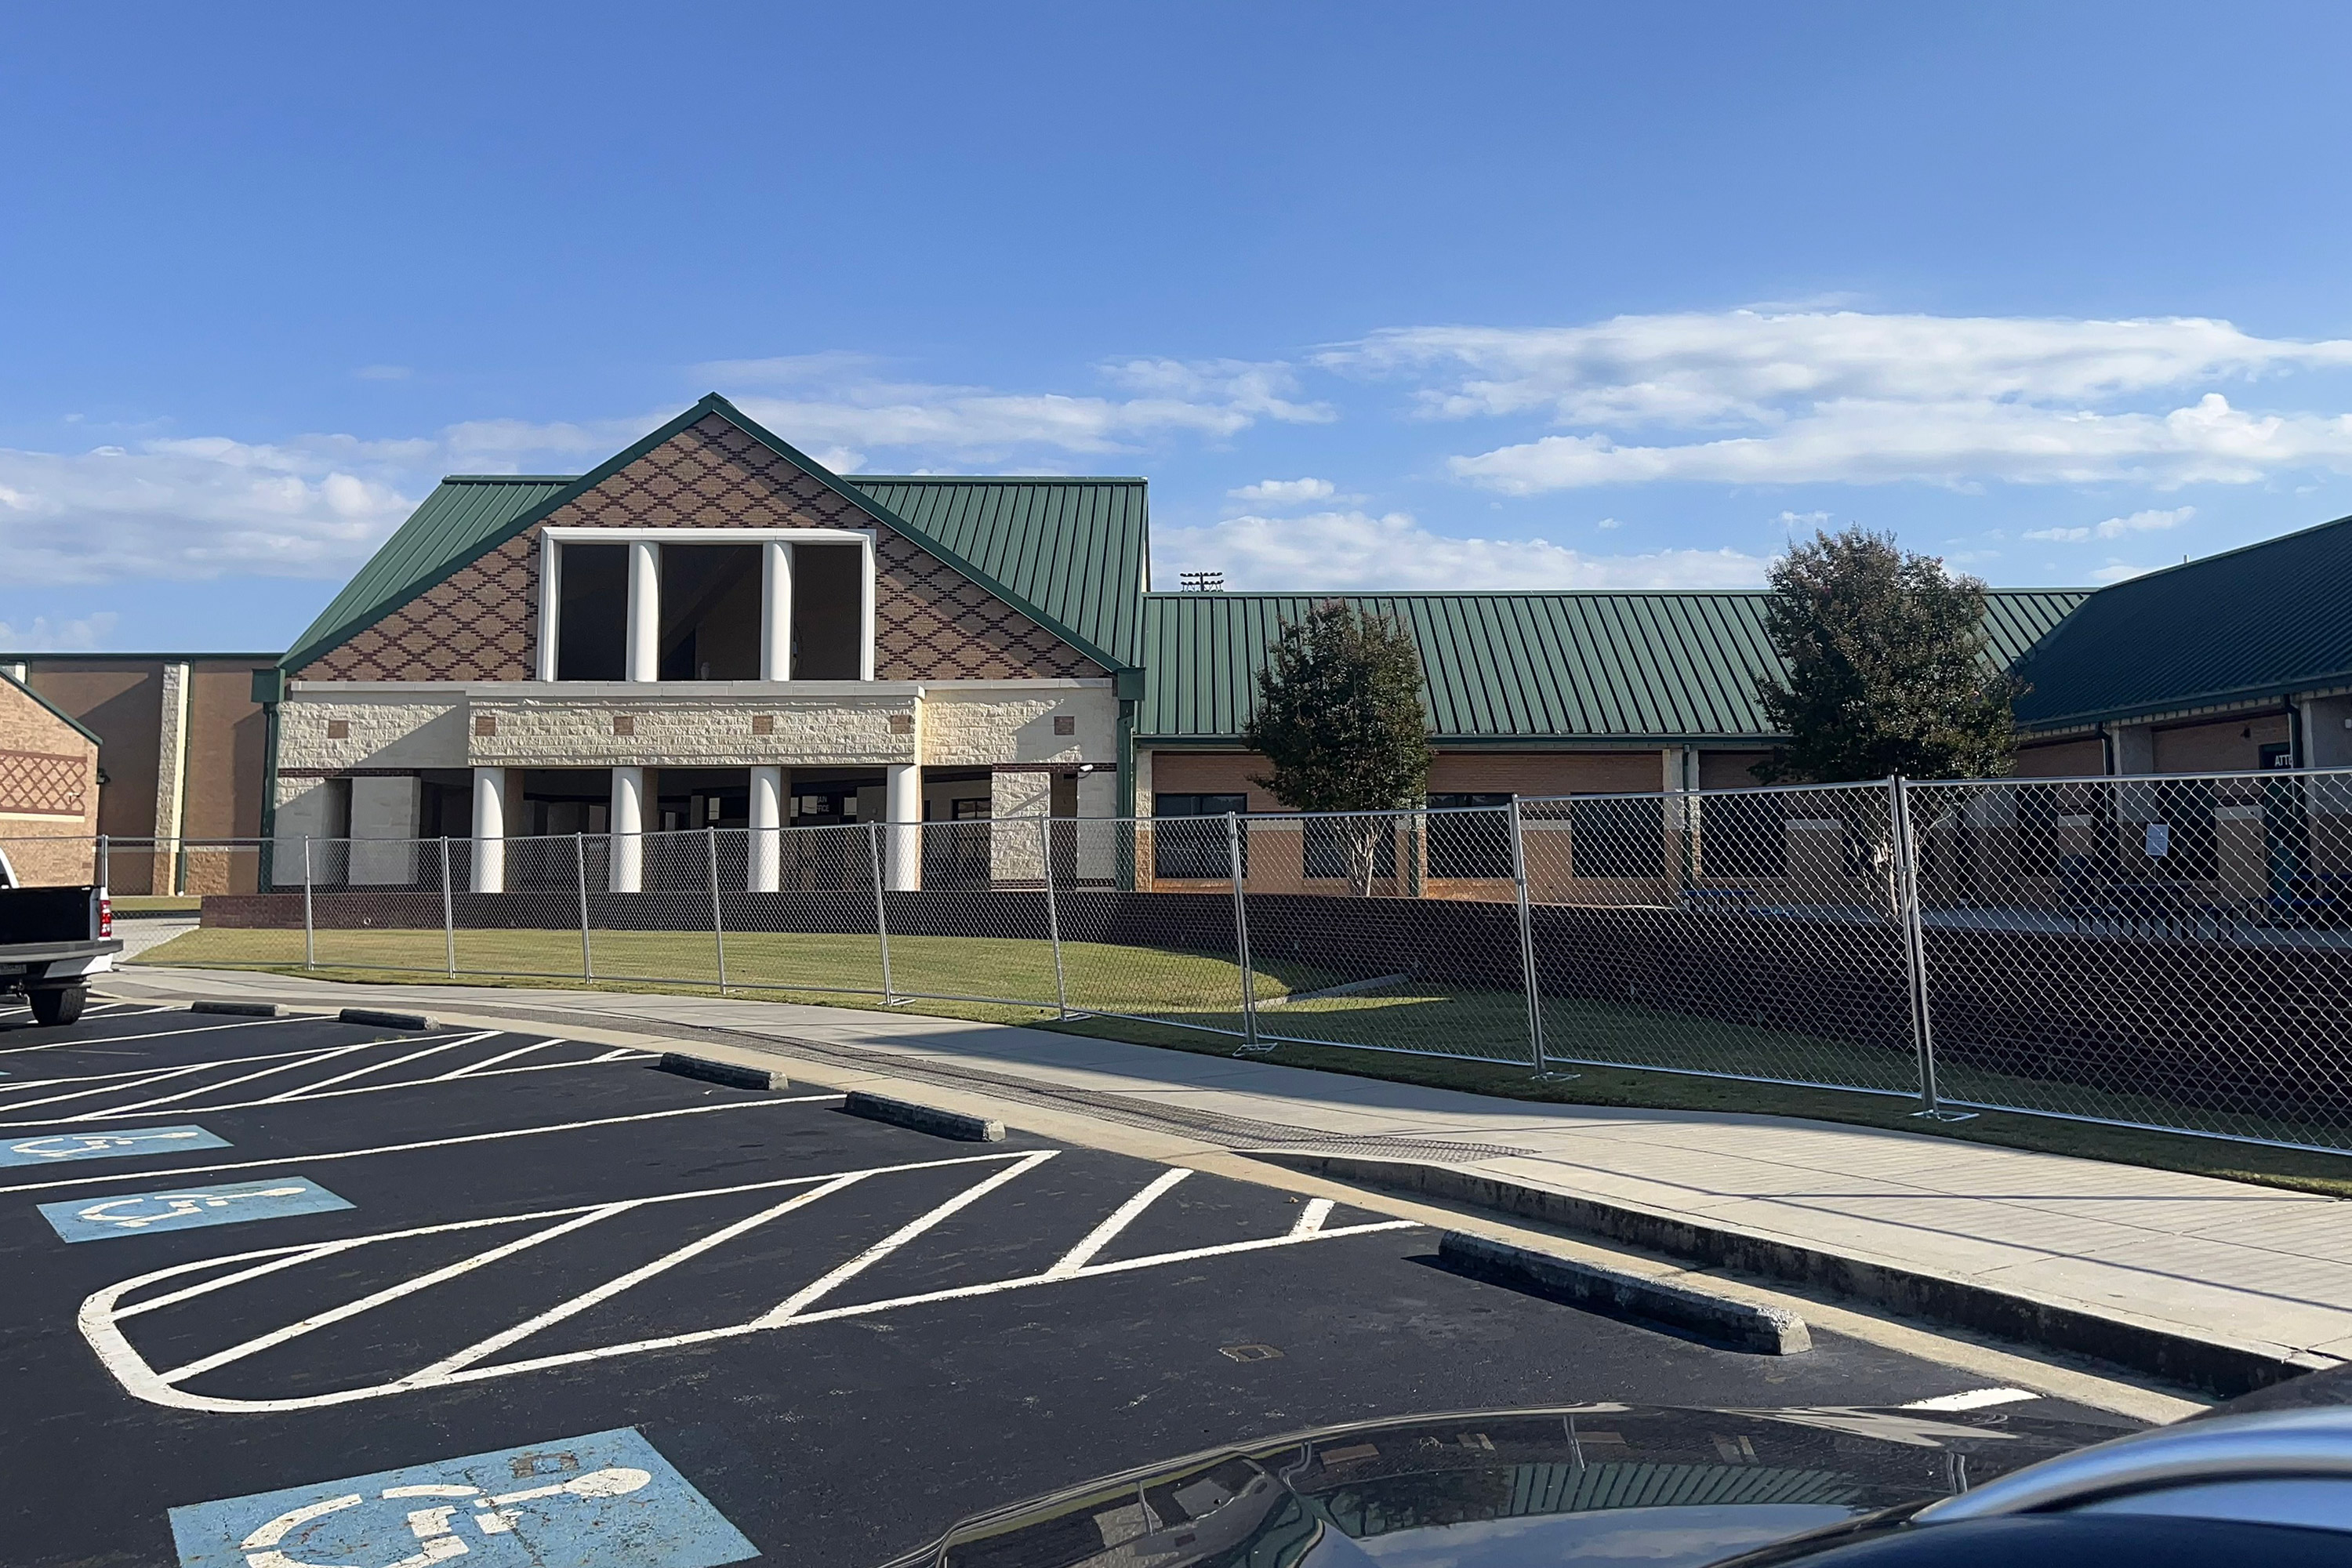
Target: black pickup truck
x=52 y=940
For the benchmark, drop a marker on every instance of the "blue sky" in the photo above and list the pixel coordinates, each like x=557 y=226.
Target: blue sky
x=1378 y=296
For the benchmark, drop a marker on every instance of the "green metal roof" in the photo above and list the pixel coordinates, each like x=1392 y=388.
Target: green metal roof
x=2256 y=622
x=465 y=515
x=1661 y=666
x=1075 y=548
x=1068 y=551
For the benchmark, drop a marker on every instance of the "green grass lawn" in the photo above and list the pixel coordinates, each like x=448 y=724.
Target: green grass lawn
x=1469 y=1039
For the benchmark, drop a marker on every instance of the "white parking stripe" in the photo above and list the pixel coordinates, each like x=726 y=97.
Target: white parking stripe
x=638 y=1275
x=138 y=1105
x=121 y=1175
x=99 y=1317
x=389 y=1293
x=112 y=1114
x=1127 y=1214
x=139 y=1079
x=1974 y=1399
x=379 y=1067
x=136 y=1072
x=307 y=1255
x=827 y=1283
x=493 y=1061
x=1312 y=1217
x=159 y=1035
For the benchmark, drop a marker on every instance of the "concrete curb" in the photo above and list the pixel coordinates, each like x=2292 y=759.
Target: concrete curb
x=384 y=1020
x=1742 y=1325
x=924 y=1118
x=2218 y=1367
x=734 y=1074
x=239 y=1009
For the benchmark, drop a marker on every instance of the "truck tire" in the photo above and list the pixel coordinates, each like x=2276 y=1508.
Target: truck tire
x=58 y=1004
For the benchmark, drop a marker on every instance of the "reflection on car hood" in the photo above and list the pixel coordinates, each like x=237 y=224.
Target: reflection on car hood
x=1602 y=1484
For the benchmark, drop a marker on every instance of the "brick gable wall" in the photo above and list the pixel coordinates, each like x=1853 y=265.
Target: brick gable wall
x=931 y=623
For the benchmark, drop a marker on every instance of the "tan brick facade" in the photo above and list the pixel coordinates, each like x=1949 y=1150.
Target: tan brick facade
x=48 y=791
x=931 y=623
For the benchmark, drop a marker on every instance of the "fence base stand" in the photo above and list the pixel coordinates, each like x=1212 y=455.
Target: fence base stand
x=1265 y=1048
x=1549 y=1077
x=1941 y=1115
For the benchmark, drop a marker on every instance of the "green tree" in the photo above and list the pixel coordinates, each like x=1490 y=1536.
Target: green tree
x=1884 y=666
x=1339 y=718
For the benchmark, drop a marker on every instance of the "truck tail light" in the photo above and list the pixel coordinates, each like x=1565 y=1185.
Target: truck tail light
x=105 y=916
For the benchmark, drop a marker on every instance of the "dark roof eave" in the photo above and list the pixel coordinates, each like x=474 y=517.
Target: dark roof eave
x=2187 y=702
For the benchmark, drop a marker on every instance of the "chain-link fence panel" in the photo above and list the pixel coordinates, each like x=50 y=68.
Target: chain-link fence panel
x=372 y=903
x=966 y=911
x=1744 y=934
x=800 y=912
x=1168 y=950
x=1388 y=931
x=2173 y=951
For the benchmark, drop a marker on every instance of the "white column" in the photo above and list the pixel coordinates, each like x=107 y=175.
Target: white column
x=645 y=611
x=767 y=820
x=489 y=830
x=866 y=613
x=903 y=810
x=383 y=829
x=776 y=596
x=628 y=858
x=171 y=781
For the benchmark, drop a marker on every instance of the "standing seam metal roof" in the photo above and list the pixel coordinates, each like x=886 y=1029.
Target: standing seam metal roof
x=1069 y=552
x=2259 y=621
x=1632 y=666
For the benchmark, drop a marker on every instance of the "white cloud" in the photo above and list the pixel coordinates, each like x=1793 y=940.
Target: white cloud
x=2116 y=527
x=1802 y=519
x=1850 y=397
x=1356 y=551
x=2116 y=570
x=44 y=635
x=199 y=509
x=841 y=399
x=1609 y=522
x=1286 y=492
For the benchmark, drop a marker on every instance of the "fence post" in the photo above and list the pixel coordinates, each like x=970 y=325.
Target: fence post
x=309 y=931
x=881 y=917
x=1915 y=953
x=448 y=912
x=1241 y=933
x=718 y=921
x=580 y=864
x=1527 y=941
x=1053 y=916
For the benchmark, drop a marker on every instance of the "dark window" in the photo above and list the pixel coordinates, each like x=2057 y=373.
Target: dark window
x=592 y=617
x=969 y=810
x=1194 y=848
x=1325 y=845
x=1616 y=835
x=1744 y=835
x=1473 y=843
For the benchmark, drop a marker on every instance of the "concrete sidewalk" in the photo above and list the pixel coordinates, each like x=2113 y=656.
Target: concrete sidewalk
x=2262 y=1274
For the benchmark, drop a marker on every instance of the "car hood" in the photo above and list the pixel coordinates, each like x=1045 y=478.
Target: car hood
x=1598 y=1484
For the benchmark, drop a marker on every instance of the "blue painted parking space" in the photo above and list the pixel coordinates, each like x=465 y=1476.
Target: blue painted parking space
x=187 y=1208
x=55 y=1148
x=608 y=1499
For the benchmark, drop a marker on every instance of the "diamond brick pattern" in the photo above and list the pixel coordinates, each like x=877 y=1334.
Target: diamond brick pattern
x=931 y=623
x=40 y=784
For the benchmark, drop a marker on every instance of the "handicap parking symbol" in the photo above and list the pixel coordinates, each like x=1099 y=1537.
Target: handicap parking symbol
x=606 y=1501
x=50 y=1148
x=186 y=1208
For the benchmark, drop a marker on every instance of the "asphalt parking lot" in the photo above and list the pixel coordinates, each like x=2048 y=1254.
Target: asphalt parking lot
x=276 y=1285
